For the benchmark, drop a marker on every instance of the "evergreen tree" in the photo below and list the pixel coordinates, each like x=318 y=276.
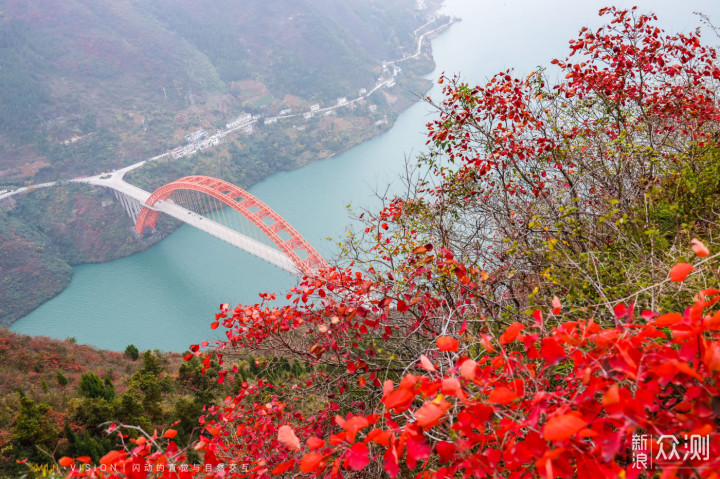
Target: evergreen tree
x=61 y=379
x=91 y=386
x=32 y=429
x=132 y=352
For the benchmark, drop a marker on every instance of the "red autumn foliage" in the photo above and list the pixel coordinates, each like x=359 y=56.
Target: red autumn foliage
x=680 y=271
x=526 y=413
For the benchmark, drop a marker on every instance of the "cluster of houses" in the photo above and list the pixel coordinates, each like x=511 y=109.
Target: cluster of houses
x=199 y=140
x=243 y=120
x=193 y=137
x=196 y=145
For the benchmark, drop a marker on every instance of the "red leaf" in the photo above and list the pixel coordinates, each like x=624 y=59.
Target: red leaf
x=383 y=438
x=357 y=457
x=170 y=433
x=84 y=459
x=511 y=333
x=699 y=248
x=353 y=425
x=668 y=319
x=463 y=328
x=611 y=396
x=485 y=342
x=426 y=364
x=111 y=458
x=557 y=306
x=420 y=250
x=66 y=461
x=390 y=462
x=502 y=395
x=287 y=438
x=446 y=451
x=416 y=449
x=315 y=443
x=711 y=358
x=399 y=398
x=430 y=414
x=561 y=428
x=401 y=306
x=446 y=343
x=387 y=387
x=680 y=271
x=551 y=351
x=338 y=438
x=450 y=386
x=467 y=369
x=648 y=315
x=684 y=367
x=310 y=462
x=209 y=457
x=283 y=467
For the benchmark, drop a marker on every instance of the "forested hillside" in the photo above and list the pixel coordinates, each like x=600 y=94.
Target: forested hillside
x=86 y=85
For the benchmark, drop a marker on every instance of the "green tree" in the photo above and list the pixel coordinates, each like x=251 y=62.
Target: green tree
x=132 y=352
x=187 y=411
x=86 y=444
x=129 y=409
x=151 y=365
x=61 y=379
x=91 y=386
x=93 y=413
x=147 y=385
x=203 y=386
x=33 y=429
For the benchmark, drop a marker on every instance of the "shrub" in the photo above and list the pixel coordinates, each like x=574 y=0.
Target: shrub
x=132 y=352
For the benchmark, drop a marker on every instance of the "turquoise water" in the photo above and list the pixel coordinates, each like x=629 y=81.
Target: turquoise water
x=167 y=296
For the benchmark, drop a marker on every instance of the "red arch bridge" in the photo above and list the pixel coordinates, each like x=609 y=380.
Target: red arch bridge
x=223 y=210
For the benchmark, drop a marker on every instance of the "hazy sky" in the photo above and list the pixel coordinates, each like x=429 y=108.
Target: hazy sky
x=523 y=34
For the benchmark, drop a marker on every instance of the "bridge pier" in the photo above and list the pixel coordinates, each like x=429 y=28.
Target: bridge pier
x=131 y=205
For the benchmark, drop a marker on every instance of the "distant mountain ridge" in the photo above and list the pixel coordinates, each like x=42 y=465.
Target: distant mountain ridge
x=120 y=71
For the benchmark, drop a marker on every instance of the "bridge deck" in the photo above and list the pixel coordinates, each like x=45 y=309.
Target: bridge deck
x=239 y=240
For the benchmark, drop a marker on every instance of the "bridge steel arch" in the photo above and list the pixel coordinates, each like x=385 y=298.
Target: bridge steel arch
x=242 y=202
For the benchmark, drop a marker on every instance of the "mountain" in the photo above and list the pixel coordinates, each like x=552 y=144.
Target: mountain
x=92 y=84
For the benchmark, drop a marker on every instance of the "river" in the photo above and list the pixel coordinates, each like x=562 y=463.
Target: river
x=166 y=297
